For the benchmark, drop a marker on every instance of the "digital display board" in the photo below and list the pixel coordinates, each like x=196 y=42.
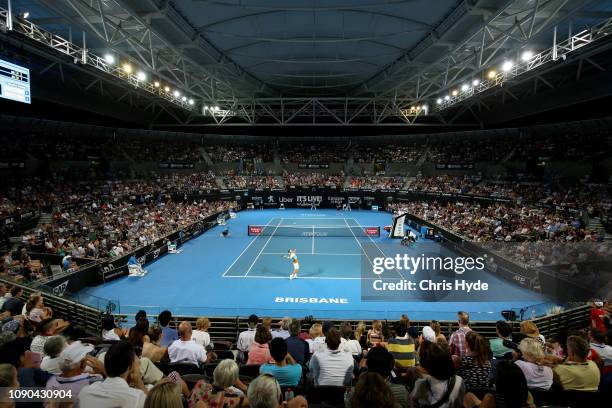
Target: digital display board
x=14 y=82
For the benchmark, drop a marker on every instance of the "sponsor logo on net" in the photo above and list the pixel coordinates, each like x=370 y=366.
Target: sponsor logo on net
x=408 y=266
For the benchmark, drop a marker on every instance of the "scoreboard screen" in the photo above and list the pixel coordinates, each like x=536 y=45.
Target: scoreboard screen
x=14 y=82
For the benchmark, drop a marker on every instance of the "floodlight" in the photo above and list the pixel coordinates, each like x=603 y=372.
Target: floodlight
x=166 y=89
x=475 y=82
x=141 y=76
x=455 y=92
x=127 y=68
x=491 y=74
x=507 y=66
x=110 y=59
x=465 y=87
x=527 y=55
x=156 y=84
x=447 y=98
x=439 y=101
x=191 y=101
x=176 y=94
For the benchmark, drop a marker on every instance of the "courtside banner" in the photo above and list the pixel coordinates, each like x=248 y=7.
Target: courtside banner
x=372 y=231
x=255 y=229
x=398 y=226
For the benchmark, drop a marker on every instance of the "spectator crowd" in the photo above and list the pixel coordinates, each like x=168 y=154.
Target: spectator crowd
x=160 y=362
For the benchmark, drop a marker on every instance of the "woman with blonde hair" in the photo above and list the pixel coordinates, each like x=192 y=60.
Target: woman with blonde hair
x=435 y=325
x=200 y=335
x=226 y=388
x=538 y=376
x=530 y=329
x=164 y=395
x=360 y=334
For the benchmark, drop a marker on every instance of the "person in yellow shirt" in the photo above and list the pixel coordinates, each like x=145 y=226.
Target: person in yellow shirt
x=577 y=373
x=401 y=347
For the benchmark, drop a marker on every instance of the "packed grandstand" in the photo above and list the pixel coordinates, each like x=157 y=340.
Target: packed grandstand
x=109 y=210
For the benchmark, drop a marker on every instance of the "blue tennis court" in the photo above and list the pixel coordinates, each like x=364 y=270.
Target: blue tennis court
x=243 y=274
x=328 y=247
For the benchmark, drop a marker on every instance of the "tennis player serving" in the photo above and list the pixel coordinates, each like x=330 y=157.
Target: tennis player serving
x=292 y=256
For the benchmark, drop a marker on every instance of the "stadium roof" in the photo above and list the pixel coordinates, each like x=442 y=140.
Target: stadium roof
x=272 y=61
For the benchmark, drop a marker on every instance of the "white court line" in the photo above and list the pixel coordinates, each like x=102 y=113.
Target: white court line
x=358 y=243
x=244 y=250
x=376 y=245
x=313 y=234
x=301 y=277
x=316 y=253
x=263 y=247
x=301 y=219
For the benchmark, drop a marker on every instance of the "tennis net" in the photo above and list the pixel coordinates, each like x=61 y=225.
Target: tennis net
x=313 y=231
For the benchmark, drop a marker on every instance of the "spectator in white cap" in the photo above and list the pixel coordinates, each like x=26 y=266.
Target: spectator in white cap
x=598 y=316
x=429 y=334
x=72 y=362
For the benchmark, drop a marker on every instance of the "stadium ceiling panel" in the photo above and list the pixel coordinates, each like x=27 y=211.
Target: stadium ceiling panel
x=315 y=61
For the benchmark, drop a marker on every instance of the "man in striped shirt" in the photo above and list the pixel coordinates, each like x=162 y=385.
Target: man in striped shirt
x=457 y=338
x=401 y=347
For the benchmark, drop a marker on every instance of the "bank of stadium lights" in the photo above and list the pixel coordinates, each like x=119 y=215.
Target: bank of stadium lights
x=465 y=87
x=141 y=79
x=107 y=62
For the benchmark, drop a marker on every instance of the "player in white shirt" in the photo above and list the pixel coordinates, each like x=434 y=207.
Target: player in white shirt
x=292 y=256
